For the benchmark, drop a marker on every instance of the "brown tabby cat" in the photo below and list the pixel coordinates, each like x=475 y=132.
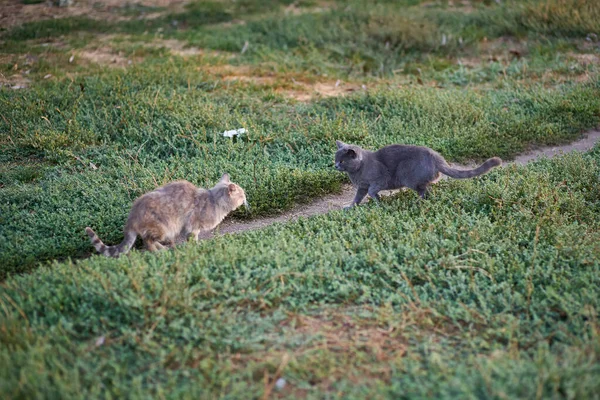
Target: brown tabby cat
x=174 y=211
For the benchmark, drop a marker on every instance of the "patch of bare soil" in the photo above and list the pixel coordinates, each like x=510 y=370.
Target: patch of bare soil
x=239 y=73
x=14 y=12
x=336 y=89
x=257 y=80
x=293 y=9
x=586 y=59
x=299 y=95
x=106 y=56
x=338 y=201
x=299 y=90
x=303 y=91
x=178 y=47
x=465 y=6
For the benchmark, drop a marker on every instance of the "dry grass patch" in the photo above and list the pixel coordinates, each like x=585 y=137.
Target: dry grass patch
x=321 y=347
x=343 y=333
x=552 y=78
x=503 y=50
x=504 y=45
x=16 y=77
x=15 y=81
x=340 y=343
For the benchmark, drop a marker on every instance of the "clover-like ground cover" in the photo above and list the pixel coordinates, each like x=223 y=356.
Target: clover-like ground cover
x=489 y=289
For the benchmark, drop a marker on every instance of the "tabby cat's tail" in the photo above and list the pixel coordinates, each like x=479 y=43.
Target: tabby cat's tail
x=112 y=251
x=468 y=173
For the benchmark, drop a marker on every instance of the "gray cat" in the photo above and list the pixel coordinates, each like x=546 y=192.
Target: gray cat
x=397 y=166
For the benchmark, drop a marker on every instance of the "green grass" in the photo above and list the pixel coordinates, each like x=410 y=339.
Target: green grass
x=480 y=291
x=488 y=290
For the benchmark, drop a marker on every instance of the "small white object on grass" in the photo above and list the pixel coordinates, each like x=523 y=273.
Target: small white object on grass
x=100 y=341
x=234 y=132
x=280 y=384
x=245 y=48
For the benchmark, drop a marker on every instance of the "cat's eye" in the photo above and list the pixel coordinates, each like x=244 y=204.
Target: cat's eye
x=341 y=162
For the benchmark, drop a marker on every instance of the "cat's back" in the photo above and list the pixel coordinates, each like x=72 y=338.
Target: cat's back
x=177 y=192
x=395 y=153
x=177 y=188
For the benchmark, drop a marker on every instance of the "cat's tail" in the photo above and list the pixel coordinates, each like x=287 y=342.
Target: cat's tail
x=112 y=251
x=468 y=173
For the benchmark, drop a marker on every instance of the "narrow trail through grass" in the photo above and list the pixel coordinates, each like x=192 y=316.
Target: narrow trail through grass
x=336 y=201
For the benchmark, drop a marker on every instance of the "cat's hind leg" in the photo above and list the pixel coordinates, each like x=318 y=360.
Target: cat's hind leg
x=153 y=236
x=169 y=243
x=153 y=245
x=423 y=190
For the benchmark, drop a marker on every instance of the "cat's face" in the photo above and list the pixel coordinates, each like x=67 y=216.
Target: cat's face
x=234 y=192
x=347 y=157
x=237 y=195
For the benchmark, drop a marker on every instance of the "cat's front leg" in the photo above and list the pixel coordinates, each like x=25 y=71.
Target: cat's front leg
x=374 y=192
x=188 y=233
x=194 y=235
x=361 y=192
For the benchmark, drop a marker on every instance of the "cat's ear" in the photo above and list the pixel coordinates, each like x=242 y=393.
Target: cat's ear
x=225 y=178
x=232 y=188
x=351 y=153
x=340 y=144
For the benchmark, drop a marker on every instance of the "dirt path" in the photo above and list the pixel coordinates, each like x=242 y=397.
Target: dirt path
x=338 y=201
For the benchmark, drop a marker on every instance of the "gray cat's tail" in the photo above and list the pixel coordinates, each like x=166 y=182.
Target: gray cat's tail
x=469 y=173
x=112 y=251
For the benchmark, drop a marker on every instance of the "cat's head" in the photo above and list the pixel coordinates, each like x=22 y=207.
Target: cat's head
x=232 y=192
x=348 y=157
